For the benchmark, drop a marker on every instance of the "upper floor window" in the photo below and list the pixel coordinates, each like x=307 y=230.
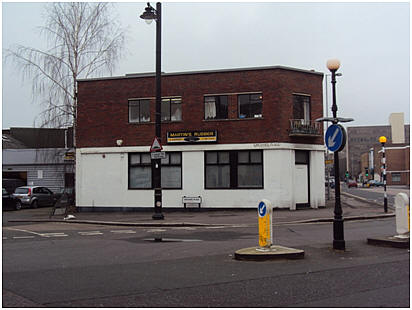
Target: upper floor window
x=301 y=107
x=139 y=111
x=250 y=105
x=216 y=107
x=172 y=109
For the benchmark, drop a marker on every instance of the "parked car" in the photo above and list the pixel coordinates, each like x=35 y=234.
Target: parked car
x=352 y=183
x=9 y=202
x=33 y=197
x=375 y=183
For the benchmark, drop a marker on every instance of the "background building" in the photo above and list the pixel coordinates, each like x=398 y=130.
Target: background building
x=362 y=138
x=37 y=156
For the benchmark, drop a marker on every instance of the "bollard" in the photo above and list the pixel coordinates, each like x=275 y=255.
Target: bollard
x=402 y=215
x=265 y=210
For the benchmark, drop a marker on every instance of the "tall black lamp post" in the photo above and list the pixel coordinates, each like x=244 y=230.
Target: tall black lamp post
x=338 y=237
x=149 y=15
x=335 y=139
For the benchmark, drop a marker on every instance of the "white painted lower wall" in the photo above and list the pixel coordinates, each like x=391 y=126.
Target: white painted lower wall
x=102 y=178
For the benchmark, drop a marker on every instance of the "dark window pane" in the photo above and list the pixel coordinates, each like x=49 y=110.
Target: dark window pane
x=140 y=177
x=166 y=110
x=211 y=158
x=243 y=157
x=250 y=176
x=171 y=177
x=145 y=111
x=218 y=176
x=255 y=157
x=250 y=106
x=223 y=157
x=176 y=109
x=133 y=112
x=175 y=158
x=146 y=158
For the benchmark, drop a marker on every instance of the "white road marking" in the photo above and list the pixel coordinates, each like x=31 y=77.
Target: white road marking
x=123 y=231
x=90 y=233
x=184 y=228
x=48 y=235
x=24 y=237
x=156 y=230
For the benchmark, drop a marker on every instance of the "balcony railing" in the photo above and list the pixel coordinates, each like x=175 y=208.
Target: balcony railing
x=301 y=127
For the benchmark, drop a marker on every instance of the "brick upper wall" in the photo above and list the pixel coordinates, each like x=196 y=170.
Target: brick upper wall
x=102 y=112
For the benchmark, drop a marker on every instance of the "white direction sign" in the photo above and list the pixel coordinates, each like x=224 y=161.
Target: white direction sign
x=158 y=155
x=335 y=138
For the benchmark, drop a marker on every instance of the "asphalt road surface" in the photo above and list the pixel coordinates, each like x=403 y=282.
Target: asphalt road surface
x=376 y=194
x=74 y=265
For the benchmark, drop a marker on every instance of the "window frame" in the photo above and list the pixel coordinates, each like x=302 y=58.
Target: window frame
x=169 y=99
x=249 y=105
x=138 y=102
x=151 y=165
x=218 y=106
x=307 y=115
x=234 y=169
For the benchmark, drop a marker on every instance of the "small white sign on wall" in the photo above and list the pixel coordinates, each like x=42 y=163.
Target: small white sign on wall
x=40 y=174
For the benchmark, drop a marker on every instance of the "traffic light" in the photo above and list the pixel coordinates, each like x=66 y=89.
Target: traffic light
x=366 y=172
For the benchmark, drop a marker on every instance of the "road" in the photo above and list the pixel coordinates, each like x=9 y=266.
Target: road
x=376 y=194
x=74 y=265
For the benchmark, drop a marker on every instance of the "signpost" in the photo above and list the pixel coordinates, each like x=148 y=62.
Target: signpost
x=265 y=224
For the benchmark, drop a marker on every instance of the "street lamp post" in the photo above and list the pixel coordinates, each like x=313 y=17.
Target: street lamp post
x=149 y=15
x=382 y=140
x=338 y=237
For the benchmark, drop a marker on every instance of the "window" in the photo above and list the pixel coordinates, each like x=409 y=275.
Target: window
x=139 y=111
x=233 y=169
x=396 y=177
x=141 y=172
x=172 y=109
x=250 y=105
x=216 y=107
x=301 y=107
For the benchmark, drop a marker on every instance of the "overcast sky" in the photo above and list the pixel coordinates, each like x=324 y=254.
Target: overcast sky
x=372 y=41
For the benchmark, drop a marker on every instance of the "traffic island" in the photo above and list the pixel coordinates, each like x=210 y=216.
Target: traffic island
x=392 y=241
x=272 y=253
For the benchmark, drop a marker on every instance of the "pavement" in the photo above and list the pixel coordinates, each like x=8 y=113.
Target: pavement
x=352 y=207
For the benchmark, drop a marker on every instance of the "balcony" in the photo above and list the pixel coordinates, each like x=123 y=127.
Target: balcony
x=304 y=128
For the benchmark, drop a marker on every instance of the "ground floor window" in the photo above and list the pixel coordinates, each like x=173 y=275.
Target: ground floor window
x=141 y=171
x=233 y=169
x=396 y=177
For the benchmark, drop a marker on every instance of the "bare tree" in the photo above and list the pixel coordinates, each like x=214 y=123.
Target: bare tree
x=84 y=41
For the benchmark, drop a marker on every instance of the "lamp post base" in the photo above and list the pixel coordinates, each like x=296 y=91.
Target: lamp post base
x=338 y=239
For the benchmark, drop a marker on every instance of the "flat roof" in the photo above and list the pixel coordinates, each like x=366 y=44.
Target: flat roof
x=152 y=74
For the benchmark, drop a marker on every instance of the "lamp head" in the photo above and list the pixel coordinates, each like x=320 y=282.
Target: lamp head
x=333 y=64
x=149 y=14
x=382 y=139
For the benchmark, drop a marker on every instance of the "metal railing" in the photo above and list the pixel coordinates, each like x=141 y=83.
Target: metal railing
x=301 y=127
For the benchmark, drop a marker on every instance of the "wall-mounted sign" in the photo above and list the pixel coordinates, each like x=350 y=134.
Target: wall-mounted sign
x=197 y=136
x=69 y=156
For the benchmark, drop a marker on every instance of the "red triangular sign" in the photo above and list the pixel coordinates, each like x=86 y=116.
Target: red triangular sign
x=156 y=146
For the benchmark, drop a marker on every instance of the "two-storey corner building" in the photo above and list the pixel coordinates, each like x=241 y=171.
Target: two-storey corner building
x=232 y=137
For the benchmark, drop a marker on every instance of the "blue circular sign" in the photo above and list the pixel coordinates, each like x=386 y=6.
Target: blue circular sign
x=335 y=138
x=262 y=209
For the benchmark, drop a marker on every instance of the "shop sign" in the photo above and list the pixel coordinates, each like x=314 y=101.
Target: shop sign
x=197 y=136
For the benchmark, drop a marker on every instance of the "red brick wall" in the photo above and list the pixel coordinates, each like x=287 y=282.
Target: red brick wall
x=102 y=115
